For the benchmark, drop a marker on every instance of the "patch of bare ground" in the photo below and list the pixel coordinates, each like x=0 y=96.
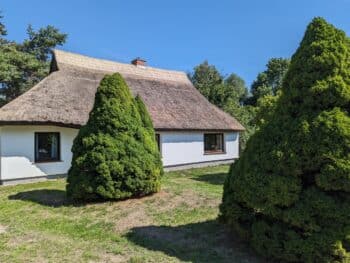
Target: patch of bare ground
x=170 y=201
x=3 y=229
x=135 y=218
x=134 y=211
x=108 y=257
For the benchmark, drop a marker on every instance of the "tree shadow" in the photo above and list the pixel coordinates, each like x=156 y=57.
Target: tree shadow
x=58 y=198
x=47 y=197
x=207 y=241
x=214 y=178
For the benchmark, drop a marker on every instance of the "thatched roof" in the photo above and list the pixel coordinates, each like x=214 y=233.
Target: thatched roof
x=66 y=96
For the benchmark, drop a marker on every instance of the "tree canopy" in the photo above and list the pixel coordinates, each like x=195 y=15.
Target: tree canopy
x=228 y=93
x=3 y=31
x=289 y=193
x=269 y=82
x=22 y=65
x=115 y=155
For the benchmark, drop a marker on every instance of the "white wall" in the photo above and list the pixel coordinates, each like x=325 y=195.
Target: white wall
x=17 y=152
x=188 y=147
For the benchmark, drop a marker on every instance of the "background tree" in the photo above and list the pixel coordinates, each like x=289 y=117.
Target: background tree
x=19 y=71
x=115 y=155
x=41 y=42
x=228 y=93
x=269 y=81
x=245 y=114
x=3 y=31
x=289 y=193
x=208 y=80
x=22 y=65
x=236 y=90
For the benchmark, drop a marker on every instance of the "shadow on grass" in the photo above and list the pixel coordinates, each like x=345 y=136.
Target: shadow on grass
x=58 y=198
x=207 y=241
x=47 y=197
x=215 y=178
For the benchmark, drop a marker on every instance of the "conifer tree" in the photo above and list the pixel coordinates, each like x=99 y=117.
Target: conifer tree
x=148 y=126
x=114 y=155
x=289 y=193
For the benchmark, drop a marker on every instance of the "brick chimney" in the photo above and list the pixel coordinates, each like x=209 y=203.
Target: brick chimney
x=139 y=62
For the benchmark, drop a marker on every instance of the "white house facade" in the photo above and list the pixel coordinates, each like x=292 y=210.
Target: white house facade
x=38 y=128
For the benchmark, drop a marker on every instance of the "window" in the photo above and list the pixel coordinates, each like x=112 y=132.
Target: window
x=214 y=143
x=47 y=146
x=158 y=140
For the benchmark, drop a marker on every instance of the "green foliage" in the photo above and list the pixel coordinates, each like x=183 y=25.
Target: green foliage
x=148 y=126
x=289 y=193
x=269 y=82
x=245 y=114
x=22 y=65
x=207 y=79
x=115 y=155
x=3 y=31
x=19 y=71
x=229 y=94
x=235 y=90
x=145 y=117
x=41 y=42
x=265 y=108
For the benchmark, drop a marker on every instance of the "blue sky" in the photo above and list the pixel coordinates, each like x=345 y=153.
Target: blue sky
x=237 y=36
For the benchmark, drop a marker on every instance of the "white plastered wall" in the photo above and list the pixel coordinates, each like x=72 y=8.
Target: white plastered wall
x=17 y=152
x=177 y=148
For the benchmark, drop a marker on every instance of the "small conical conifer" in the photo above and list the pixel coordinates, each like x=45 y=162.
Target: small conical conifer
x=114 y=155
x=289 y=193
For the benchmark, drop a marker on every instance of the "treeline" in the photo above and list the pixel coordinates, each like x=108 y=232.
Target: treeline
x=230 y=93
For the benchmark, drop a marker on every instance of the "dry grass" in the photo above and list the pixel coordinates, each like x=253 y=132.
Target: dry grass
x=3 y=229
x=38 y=224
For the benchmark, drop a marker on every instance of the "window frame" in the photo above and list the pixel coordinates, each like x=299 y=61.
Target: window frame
x=36 y=159
x=159 y=142
x=209 y=152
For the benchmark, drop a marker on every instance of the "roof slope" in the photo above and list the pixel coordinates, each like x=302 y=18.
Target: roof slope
x=66 y=96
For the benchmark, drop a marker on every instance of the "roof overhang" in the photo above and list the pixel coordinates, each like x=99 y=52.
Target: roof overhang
x=75 y=126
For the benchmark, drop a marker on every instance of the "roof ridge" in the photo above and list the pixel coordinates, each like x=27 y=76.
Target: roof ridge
x=101 y=60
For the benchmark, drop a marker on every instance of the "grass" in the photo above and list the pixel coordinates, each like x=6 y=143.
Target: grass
x=38 y=224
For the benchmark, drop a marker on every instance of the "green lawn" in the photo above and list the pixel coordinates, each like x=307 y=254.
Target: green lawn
x=38 y=224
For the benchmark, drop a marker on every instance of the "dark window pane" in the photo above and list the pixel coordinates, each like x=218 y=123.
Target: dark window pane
x=214 y=142
x=158 y=140
x=47 y=146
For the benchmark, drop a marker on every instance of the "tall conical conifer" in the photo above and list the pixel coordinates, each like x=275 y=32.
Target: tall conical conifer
x=289 y=193
x=114 y=155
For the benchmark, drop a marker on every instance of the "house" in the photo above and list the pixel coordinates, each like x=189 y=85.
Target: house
x=37 y=128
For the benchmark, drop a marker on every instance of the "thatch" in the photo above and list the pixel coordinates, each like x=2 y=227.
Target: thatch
x=66 y=96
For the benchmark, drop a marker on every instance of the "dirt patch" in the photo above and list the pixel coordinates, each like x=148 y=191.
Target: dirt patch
x=3 y=229
x=140 y=201
x=134 y=211
x=187 y=197
x=109 y=257
x=137 y=217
